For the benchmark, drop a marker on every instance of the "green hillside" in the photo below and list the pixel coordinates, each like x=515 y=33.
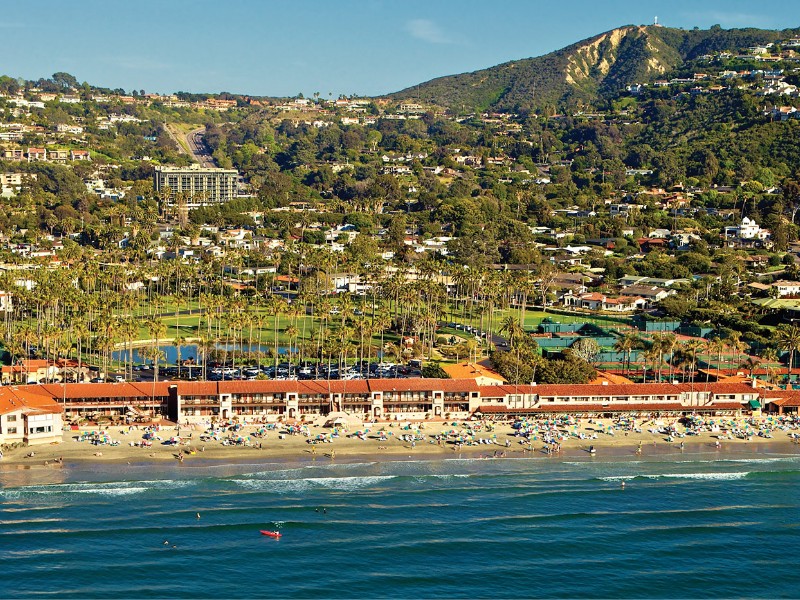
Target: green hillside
x=596 y=67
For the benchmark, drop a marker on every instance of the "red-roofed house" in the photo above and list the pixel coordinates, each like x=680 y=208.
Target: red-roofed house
x=28 y=371
x=36 y=154
x=28 y=417
x=79 y=155
x=482 y=375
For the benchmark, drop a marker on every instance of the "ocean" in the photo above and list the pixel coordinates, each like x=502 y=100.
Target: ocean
x=706 y=525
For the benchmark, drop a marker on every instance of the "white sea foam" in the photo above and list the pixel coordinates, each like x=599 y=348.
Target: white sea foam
x=348 y=483
x=710 y=476
x=8 y=522
x=279 y=486
x=108 y=488
x=299 y=485
x=762 y=460
x=122 y=491
x=34 y=552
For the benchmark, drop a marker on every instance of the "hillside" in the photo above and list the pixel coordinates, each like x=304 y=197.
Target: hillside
x=582 y=72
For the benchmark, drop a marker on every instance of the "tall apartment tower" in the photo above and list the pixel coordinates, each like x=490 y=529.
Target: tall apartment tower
x=203 y=185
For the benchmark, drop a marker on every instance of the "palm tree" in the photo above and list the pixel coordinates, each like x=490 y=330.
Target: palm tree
x=658 y=346
x=653 y=356
x=204 y=349
x=625 y=345
x=511 y=326
x=735 y=342
x=717 y=345
x=714 y=346
x=769 y=355
x=669 y=343
x=787 y=337
x=275 y=308
x=156 y=329
x=177 y=343
x=693 y=349
x=129 y=329
x=751 y=363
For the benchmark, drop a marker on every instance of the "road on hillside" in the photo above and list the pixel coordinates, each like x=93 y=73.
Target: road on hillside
x=200 y=151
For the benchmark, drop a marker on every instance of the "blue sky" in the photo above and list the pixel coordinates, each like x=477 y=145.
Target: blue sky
x=283 y=47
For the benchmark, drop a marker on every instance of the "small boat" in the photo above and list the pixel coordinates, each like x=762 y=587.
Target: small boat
x=273 y=534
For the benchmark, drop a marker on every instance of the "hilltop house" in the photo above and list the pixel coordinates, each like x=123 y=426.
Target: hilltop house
x=746 y=230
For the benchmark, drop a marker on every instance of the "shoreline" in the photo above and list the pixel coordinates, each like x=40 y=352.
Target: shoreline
x=378 y=442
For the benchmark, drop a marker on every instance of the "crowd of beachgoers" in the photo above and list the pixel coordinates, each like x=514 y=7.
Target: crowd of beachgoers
x=532 y=436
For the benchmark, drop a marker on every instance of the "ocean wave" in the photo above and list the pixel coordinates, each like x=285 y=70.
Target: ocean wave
x=123 y=491
x=776 y=459
x=33 y=552
x=701 y=476
x=306 y=483
x=108 y=488
x=707 y=476
x=7 y=522
x=301 y=471
x=710 y=476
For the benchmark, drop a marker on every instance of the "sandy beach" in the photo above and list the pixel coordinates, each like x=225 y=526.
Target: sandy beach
x=538 y=438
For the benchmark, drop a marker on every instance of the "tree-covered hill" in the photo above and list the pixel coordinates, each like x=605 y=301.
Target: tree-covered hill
x=597 y=67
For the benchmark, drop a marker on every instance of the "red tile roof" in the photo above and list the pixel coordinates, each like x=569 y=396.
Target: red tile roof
x=254 y=387
x=27 y=366
x=630 y=389
x=643 y=389
x=422 y=385
x=22 y=398
x=197 y=388
x=782 y=397
x=357 y=386
x=106 y=390
x=499 y=391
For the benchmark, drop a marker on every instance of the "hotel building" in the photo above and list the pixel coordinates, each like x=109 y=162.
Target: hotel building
x=203 y=185
x=403 y=399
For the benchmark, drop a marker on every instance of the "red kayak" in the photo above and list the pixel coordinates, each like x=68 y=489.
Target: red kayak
x=273 y=534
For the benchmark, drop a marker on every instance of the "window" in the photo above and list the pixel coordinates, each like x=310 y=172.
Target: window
x=12 y=430
x=11 y=418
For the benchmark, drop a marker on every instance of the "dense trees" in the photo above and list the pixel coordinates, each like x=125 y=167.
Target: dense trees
x=478 y=184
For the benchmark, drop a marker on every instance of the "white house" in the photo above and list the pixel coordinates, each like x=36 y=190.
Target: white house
x=787 y=288
x=746 y=230
x=28 y=417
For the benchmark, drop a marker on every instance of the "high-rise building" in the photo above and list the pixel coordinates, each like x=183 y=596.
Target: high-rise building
x=202 y=185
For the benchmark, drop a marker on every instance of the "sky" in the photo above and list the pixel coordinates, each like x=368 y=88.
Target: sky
x=285 y=47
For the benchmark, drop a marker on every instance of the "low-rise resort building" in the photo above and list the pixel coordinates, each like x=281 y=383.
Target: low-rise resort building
x=394 y=399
